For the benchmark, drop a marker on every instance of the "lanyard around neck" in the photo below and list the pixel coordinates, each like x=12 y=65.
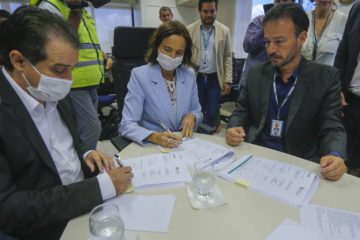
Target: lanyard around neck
x=317 y=39
x=286 y=98
x=206 y=40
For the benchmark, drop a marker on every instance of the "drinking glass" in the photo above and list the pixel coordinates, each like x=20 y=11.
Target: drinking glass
x=106 y=223
x=203 y=179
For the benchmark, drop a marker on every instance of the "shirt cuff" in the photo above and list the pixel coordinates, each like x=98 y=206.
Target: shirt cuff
x=107 y=188
x=87 y=153
x=334 y=153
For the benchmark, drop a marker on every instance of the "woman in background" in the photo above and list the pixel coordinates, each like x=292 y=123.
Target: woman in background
x=325 y=32
x=162 y=96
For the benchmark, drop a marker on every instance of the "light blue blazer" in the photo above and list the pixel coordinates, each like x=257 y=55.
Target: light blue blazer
x=148 y=103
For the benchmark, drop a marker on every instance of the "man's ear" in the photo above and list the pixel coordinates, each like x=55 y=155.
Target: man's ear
x=17 y=59
x=302 y=37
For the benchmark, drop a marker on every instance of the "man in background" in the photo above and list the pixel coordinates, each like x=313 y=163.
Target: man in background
x=88 y=72
x=347 y=60
x=165 y=14
x=212 y=55
x=291 y=104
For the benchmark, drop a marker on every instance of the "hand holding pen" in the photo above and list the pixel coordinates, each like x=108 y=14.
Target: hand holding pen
x=171 y=139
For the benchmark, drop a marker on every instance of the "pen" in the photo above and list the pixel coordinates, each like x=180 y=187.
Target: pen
x=232 y=170
x=165 y=127
x=117 y=161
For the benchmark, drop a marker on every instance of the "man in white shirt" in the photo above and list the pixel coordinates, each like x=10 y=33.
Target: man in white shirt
x=45 y=176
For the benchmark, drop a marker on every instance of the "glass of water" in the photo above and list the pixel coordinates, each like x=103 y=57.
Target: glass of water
x=106 y=223
x=203 y=179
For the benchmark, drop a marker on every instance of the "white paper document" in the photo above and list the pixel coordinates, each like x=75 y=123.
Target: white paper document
x=333 y=223
x=290 y=230
x=157 y=170
x=285 y=182
x=195 y=149
x=145 y=213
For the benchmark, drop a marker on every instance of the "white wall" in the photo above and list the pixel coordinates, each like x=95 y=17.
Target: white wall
x=236 y=14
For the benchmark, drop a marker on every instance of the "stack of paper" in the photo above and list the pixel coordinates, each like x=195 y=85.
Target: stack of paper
x=294 y=231
x=158 y=170
x=334 y=224
x=194 y=150
x=145 y=213
x=286 y=182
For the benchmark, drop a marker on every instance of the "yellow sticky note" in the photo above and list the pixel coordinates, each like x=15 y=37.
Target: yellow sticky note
x=130 y=189
x=243 y=182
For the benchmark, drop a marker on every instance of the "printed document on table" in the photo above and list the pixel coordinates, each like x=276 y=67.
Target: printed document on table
x=157 y=170
x=290 y=229
x=145 y=213
x=285 y=182
x=195 y=149
x=333 y=223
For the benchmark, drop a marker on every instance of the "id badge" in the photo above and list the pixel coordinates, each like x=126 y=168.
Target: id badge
x=276 y=128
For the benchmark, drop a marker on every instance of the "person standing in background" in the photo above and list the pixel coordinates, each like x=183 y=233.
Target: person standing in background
x=88 y=72
x=212 y=56
x=165 y=14
x=347 y=60
x=325 y=32
x=254 y=43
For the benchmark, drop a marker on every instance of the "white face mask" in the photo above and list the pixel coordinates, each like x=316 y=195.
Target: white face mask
x=50 y=89
x=169 y=63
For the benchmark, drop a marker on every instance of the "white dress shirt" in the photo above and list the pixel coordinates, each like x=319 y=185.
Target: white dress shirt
x=58 y=140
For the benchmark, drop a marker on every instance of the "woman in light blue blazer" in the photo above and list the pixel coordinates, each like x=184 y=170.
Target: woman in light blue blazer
x=162 y=96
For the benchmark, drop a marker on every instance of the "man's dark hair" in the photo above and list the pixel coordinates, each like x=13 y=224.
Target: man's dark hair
x=166 y=30
x=207 y=1
x=164 y=9
x=28 y=30
x=4 y=14
x=289 y=10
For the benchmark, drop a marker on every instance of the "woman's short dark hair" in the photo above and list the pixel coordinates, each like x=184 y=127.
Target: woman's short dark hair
x=207 y=1
x=4 y=13
x=289 y=10
x=166 y=30
x=28 y=30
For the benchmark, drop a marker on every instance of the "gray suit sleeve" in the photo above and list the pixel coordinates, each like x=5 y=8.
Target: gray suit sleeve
x=332 y=133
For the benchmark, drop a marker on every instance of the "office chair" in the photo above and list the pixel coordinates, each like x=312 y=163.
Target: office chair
x=228 y=100
x=130 y=46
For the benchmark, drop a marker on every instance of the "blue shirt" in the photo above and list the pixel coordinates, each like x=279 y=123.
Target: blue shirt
x=207 y=48
x=282 y=88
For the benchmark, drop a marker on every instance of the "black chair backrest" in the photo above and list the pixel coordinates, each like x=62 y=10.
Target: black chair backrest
x=130 y=45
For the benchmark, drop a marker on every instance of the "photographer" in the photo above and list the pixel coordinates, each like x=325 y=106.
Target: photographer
x=89 y=71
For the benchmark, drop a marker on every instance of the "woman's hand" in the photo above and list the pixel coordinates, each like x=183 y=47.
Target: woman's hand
x=187 y=125
x=165 y=139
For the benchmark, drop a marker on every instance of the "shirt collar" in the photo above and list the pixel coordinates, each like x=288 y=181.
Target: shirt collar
x=294 y=75
x=31 y=104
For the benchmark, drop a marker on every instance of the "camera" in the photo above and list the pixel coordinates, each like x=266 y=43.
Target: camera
x=84 y=3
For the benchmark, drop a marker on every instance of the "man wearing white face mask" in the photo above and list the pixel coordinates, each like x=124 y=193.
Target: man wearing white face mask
x=46 y=176
x=162 y=95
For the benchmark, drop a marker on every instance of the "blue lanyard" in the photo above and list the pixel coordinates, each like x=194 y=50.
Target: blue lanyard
x=206 y=40
x=316 y=39
x=285 y=100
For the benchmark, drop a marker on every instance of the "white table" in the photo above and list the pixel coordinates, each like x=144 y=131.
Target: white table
x=247 y=215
